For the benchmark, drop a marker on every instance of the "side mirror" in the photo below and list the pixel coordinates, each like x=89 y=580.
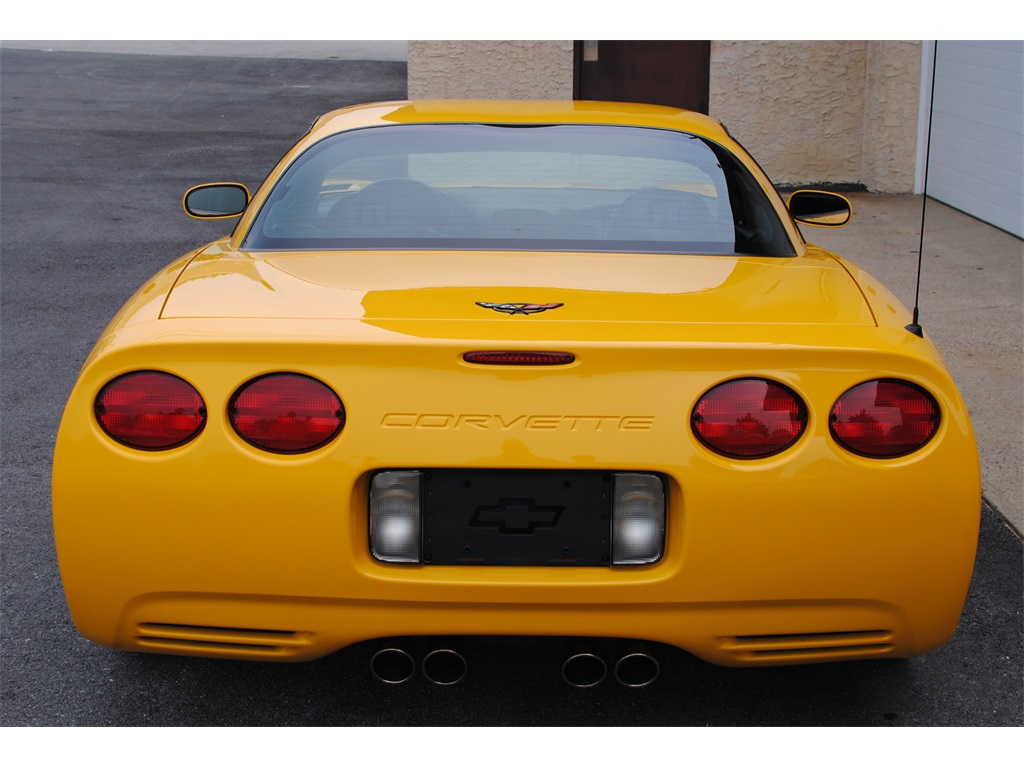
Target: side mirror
x=216 y=201
x=820 y=209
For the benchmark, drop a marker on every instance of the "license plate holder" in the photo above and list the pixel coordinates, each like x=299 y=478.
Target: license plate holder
x=517 y=517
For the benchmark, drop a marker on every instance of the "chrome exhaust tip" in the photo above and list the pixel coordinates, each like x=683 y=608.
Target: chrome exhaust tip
x=444 y=667
x=584 y=670
x=393 y=666
x=637 y=669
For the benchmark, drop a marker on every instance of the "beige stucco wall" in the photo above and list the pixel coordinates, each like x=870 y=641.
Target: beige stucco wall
x=841 y=112
x=798 y=107
x=822 y=111
x=892 y=101
x=490 y=69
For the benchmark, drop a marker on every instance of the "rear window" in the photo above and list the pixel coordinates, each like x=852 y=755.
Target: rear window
x=502 y=187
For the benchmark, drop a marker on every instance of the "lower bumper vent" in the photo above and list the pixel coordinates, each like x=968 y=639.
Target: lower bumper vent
x=219 y=641
x=809 y=647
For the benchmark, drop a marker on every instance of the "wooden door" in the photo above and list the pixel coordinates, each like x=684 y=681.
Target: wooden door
x=675 y=73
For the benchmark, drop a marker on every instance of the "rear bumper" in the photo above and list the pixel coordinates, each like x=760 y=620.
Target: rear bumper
x=750 y=575
x=215 y=548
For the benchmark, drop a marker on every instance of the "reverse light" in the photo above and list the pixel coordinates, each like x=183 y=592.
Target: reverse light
x=395 y=529
x=749 y=418
x=884 y=418
x=150 y=410
x=286 y=413
x=638 y=518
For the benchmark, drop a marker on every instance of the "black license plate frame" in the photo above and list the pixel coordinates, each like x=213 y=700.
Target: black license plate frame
x=521 y=517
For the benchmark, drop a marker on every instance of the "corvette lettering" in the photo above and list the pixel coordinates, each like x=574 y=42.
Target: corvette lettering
x=531 y=423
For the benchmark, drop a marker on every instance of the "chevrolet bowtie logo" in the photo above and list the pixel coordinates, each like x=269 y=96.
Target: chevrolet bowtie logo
x=516 y=516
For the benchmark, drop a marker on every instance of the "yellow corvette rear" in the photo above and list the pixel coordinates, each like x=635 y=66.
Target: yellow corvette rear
x=785 y=541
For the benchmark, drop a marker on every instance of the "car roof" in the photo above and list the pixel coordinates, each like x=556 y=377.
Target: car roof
x=517 y=112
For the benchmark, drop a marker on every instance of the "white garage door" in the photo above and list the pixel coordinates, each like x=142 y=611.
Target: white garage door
x=977 y=150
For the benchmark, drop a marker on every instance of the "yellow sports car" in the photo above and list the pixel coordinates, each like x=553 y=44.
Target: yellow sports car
x=516 y=369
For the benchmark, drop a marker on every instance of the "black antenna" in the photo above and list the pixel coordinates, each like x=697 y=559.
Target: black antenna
x=915 y=326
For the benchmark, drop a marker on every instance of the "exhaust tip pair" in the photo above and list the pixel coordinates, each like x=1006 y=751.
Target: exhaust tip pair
x=395 y=666
x=636 y=669
x=584 y=669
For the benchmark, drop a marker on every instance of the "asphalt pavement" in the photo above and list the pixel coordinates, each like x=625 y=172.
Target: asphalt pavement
x=96 y=149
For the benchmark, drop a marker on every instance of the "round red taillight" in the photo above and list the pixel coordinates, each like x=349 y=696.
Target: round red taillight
x=749 y=418
x=884 y=418
x=286 y=413
x=150 y=410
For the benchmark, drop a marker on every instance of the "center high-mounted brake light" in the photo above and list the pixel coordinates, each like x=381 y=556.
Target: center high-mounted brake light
x=519 y=358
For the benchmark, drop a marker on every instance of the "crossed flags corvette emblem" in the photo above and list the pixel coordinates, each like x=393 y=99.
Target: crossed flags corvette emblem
x=518 y=308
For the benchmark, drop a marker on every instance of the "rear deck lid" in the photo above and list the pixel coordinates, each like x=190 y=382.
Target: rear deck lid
x=567 y=287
